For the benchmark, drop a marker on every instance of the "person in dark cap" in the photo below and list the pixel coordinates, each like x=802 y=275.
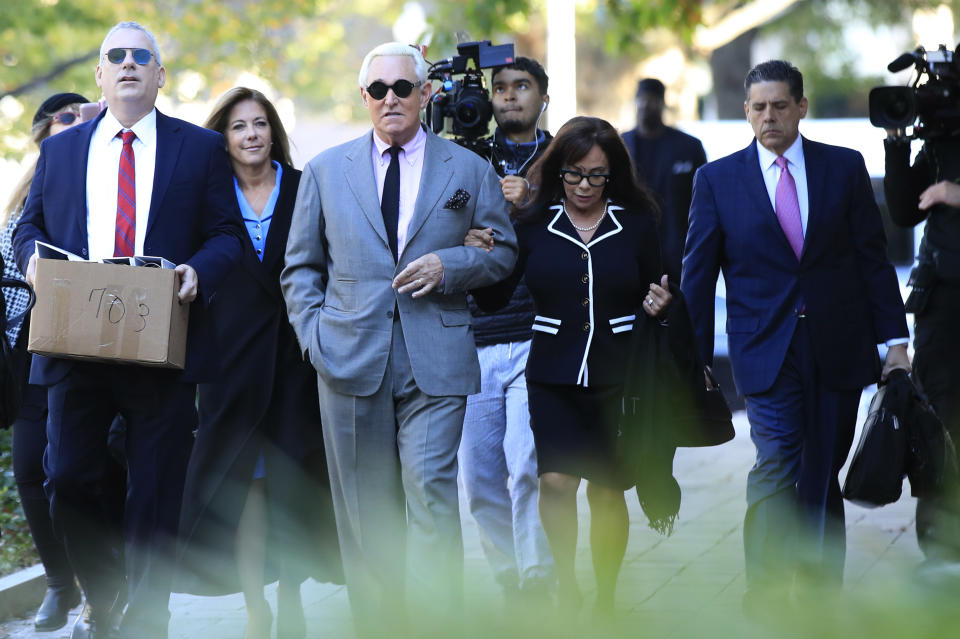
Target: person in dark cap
x=57 y=113
x=665 y=159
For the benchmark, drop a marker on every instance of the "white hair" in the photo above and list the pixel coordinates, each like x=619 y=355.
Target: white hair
x=390 y=49
x=137 y=27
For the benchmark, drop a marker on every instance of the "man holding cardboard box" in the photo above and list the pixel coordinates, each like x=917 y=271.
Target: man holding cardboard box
x=130 y=182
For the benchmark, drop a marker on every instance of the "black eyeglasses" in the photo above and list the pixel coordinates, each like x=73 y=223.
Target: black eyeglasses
x=119 y=54
x=574 y=178
x=66 y=117
x=401 y=89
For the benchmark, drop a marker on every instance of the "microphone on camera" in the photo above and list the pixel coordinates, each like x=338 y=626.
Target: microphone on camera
x=901 y=63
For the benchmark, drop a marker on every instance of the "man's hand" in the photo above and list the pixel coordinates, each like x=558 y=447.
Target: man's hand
x=480 y=238
x=514 y=189
x=189 y=283
x=943 y=192
x=31 y=273
x=420 y=276
x=657 y=301
x=896 y=358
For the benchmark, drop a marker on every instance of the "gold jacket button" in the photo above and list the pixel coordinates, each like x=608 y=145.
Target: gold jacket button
x=586 y=301
x=586 y=327
x=585 y=278
x=584 y=255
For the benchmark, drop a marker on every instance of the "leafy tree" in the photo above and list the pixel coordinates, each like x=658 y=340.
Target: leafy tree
x=304 y=48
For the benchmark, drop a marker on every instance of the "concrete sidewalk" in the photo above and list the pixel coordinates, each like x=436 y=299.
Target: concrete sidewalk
x=684 y=586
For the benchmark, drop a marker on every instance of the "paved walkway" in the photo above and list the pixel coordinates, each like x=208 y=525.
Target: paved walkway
x=688 y=585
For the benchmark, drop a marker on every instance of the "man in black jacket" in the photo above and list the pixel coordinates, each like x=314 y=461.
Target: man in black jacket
x=497 y=458
x=927 y=191
x=666 y=159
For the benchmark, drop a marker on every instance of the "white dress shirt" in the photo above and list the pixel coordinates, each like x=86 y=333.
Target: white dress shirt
x=411 y=168
x=771 y=176
x=103 y=164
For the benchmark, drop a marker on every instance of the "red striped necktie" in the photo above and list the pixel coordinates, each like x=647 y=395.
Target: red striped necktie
x=125 y=236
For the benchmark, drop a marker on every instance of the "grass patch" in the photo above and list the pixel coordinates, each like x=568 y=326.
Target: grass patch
x=16 y=545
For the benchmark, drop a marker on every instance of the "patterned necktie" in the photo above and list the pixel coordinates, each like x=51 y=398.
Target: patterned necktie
x=788 y=207
x=125 y=237
x=390 y=201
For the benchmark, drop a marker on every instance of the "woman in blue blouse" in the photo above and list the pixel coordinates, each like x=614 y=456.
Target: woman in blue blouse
x=257 y=477
x=590 y=256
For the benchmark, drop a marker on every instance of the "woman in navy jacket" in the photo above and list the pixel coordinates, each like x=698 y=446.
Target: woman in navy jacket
x=590 y=254
x=257 y=478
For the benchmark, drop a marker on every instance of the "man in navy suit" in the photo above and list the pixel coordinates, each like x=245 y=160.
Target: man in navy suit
x=131 y=182
x=810 y=293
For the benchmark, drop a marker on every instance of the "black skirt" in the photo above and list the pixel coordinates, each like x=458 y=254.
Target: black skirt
x=575 y=431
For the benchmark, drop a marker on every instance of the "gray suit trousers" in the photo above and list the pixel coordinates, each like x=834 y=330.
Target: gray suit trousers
x=392 y=458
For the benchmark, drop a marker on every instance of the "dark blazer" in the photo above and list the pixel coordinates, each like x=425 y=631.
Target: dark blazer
x=586 y=295
x=268 y=400
x=843 y=283
x=193 y=219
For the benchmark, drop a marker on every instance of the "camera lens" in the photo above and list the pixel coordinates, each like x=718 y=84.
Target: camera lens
x=468 y=114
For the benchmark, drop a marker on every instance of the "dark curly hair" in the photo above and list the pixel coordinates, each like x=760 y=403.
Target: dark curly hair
x=572 y=142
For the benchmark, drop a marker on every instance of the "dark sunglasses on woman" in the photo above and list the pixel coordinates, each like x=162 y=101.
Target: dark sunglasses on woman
x=401 y=89
x=66 y=117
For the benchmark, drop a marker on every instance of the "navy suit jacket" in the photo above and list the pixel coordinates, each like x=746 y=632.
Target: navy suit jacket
x=194 y=219
x=843 y=283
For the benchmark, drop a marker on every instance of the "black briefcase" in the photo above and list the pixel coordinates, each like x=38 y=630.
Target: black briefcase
x=875 y=477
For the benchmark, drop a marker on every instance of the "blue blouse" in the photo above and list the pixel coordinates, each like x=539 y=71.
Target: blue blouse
x=258 y=227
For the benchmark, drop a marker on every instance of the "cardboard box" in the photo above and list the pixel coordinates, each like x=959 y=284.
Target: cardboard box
x=109 y=313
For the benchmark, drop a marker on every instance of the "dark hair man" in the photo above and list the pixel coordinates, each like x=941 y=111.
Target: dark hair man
x=795 y=229
x=666 y=159
x=928 y=192
x=148 y=184
x=497 y=457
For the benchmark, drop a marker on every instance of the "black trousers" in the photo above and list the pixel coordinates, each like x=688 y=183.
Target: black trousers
x=29 y=443
x=160 y=416
x=937 y=351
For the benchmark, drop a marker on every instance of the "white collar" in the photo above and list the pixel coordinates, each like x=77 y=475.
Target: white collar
x=145 y=128
x=794 y=154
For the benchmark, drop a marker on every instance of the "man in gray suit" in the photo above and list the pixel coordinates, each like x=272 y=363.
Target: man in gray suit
x=375 y=283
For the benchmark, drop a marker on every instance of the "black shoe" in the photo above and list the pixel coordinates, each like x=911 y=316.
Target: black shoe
x=91 y=626
x=55 y=608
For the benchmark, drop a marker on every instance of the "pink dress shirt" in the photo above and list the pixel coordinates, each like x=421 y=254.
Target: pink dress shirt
x=411 y=167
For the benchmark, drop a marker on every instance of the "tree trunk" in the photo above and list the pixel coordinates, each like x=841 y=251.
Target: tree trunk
x=729 y=65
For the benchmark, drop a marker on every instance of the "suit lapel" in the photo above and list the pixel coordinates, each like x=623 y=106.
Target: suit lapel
x=816 y=183
x=757 y=189
x=169 y=139
x=358 y=174
x=436 y=175
x=80 y=177
x=266 y=272
x=280 y=224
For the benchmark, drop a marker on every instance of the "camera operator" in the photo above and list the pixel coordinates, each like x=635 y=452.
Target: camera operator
x=927 y=190
x=519 y=100
x=497 y=458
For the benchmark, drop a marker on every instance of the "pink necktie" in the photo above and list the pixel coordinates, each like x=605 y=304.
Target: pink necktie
x=788 y=207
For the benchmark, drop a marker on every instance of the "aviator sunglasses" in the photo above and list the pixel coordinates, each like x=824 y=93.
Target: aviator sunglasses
x=119 y=54
x=401 y=89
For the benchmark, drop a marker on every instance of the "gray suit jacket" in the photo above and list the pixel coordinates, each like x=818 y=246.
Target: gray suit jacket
x=339 y=268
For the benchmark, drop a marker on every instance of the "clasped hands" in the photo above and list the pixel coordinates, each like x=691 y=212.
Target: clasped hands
x=655 y=303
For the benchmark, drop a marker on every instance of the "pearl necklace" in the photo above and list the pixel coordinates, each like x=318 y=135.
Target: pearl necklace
x=584 y=229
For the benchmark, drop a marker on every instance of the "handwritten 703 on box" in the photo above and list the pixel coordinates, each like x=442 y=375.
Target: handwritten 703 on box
x=109 y=312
